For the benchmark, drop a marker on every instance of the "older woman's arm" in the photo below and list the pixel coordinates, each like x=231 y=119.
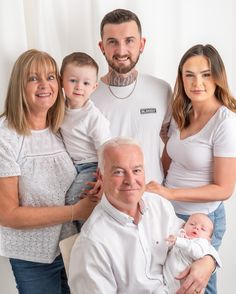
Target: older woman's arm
x=19 y=217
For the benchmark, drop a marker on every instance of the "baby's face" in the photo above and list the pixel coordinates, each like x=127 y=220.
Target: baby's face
x=198 y=226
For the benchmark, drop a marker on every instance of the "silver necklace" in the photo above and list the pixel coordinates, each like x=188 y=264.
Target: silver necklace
x=125 y=97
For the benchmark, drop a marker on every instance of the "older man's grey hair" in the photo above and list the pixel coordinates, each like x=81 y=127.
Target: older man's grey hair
x=114 y=142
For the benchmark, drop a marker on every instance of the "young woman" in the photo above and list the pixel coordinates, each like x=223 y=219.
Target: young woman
x=200 y=156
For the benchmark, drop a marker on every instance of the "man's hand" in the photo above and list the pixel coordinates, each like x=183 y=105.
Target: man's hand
x=194 y=278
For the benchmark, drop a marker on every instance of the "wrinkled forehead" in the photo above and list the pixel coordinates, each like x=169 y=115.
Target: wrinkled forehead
x=124 y=155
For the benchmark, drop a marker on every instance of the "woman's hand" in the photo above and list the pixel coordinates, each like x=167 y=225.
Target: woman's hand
x=96 y=191
x=194 y=278
x=153 y=187
x=83 y=209
x=159 y=189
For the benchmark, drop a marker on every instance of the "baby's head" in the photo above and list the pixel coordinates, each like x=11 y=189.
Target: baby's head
x=199 y=225
x=79 y=73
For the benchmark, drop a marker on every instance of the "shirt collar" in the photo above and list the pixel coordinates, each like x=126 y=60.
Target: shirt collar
x=118 y=215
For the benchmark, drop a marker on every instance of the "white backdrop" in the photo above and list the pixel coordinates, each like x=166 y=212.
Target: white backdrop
x=170 y=27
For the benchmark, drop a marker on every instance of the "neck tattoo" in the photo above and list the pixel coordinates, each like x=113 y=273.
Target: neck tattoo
x=120 y=81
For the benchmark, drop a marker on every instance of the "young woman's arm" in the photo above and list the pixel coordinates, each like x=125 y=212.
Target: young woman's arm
x=224 y=178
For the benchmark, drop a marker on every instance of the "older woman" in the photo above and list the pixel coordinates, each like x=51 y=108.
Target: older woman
x=35 y=173
x=200 y=155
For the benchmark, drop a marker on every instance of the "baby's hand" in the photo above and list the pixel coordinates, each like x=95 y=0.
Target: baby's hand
x=171 y=240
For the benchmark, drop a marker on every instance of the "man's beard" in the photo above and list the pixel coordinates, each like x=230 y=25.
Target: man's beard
x=123 y=69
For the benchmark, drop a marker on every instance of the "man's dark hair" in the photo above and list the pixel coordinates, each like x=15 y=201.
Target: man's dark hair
x=119 y=16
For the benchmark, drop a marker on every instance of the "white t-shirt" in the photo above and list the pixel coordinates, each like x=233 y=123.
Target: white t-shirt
x=140 y=116
x=45 y=172
x=192 y=158
x=84 y=130
x=113 y=255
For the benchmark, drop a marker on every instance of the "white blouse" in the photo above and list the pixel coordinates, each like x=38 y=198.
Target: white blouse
x=45 y=173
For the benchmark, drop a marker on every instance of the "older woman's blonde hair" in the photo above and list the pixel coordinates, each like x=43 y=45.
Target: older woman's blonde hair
x=181 y=103
x=16 y=107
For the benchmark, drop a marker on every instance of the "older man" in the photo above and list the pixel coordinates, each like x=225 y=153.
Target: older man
x=122 y=248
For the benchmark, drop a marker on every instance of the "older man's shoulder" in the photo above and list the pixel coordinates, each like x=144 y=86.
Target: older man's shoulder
x=155 y=199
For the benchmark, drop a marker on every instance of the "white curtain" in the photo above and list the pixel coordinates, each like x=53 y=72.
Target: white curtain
x=170 y=27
